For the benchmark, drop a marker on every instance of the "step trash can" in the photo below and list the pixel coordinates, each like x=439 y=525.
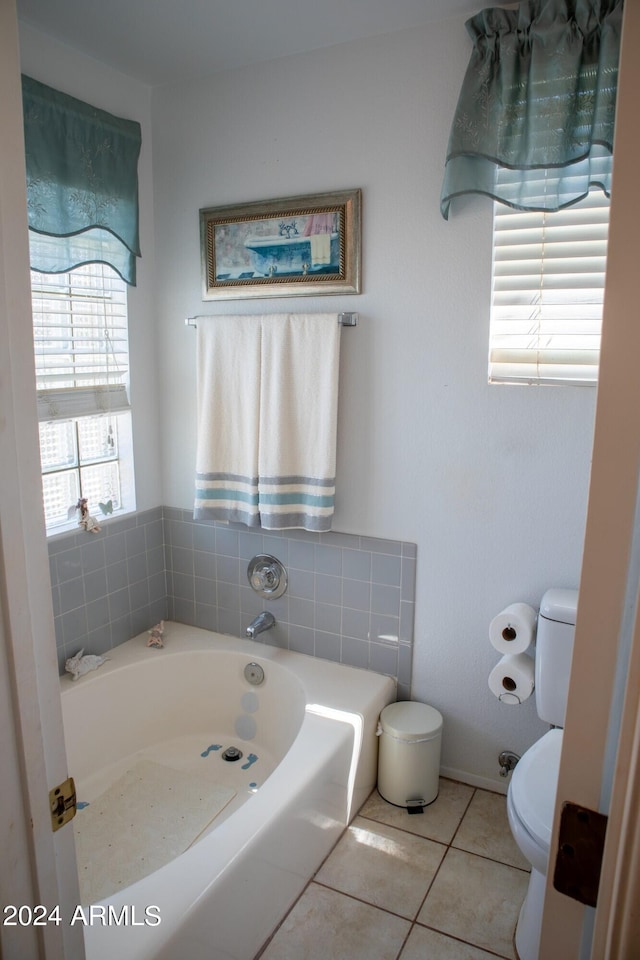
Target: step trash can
x=409 y=755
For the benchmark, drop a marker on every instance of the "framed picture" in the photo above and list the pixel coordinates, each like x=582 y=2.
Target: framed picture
x=296 y=246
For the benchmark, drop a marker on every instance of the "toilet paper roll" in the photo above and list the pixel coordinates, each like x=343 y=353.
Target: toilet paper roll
x=512 y=678
x=513 y=629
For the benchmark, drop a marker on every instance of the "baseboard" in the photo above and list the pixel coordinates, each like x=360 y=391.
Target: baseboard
x=499 y=785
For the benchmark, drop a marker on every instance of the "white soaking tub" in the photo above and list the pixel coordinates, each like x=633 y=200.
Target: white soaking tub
x=210 y=878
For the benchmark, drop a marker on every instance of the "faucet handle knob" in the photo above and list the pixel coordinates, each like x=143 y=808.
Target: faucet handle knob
x=267 y=576
x=264 y=578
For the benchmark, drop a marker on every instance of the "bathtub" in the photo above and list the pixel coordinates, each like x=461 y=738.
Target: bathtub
x=307 y=735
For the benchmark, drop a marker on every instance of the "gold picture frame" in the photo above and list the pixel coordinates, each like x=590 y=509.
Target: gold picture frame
x=291 y=247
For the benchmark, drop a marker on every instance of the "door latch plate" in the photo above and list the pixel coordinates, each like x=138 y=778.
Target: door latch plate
x=62 y=803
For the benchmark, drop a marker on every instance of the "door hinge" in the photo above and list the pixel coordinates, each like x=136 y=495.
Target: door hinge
x=62 y=803
x=580 y=847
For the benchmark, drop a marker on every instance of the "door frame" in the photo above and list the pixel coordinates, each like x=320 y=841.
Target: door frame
x=31 y=739
x=39 y=866
x=607 y=641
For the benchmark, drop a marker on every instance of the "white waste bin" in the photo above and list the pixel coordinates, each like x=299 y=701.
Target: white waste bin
x=409 y=754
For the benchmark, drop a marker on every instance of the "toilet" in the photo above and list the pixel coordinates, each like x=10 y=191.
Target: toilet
x=532 y=791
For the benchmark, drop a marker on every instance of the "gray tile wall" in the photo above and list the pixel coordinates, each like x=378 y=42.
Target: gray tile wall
x=350 y=599
x=108 y=586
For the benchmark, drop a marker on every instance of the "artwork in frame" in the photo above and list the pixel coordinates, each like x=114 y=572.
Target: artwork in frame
x=292 y=247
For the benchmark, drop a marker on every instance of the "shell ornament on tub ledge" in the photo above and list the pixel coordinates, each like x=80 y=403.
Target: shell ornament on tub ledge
x=156 y=635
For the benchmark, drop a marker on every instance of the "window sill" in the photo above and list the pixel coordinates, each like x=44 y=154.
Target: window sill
x=74 y=527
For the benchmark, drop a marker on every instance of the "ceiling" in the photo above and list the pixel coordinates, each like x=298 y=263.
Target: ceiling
x=168 y=41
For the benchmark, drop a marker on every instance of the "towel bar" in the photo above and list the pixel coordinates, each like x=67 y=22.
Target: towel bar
x=344 y=319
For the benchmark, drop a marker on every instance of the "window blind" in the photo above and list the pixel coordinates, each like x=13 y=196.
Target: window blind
x=81 y=343
x=548 y=289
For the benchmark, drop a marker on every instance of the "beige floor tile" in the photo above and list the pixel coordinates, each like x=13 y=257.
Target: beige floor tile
x=325 y=925
x=426 y=944
x=476 y=900
x=384 y=866
x=438 y=821
x=485 y=830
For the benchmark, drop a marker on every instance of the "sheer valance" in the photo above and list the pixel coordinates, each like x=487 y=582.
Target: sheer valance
x=538 y=99
x=82 y=183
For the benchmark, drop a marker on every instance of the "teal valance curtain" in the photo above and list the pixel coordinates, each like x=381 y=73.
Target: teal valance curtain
x=82 y=183
x=534 y=123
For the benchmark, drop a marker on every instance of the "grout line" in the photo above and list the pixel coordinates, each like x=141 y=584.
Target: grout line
x=412 y=922
x=292 y=907
x=482 y=856
x=448 y=847
x=466 y=811
x=366 y=903
x=404 y=942
x=422 y=836
x=467 y=943
x=474 y=853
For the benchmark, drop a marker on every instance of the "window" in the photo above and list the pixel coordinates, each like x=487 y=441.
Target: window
x=548 y=288
x=81 y=358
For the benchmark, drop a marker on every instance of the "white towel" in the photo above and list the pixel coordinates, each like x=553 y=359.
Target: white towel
x=267 y=420
x=228 y=371
x=298 y=421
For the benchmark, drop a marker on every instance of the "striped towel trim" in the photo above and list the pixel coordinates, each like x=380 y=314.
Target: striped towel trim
x=300 y=521
x=274 y=503
x=227 y=496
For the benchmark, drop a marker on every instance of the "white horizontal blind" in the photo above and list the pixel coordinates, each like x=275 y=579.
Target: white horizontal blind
x=81 y=343
x=548 y=288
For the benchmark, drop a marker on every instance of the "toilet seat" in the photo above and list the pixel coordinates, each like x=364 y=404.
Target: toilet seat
x=534 y=785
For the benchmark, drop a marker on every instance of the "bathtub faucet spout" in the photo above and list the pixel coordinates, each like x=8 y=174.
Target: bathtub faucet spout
x=264 y=621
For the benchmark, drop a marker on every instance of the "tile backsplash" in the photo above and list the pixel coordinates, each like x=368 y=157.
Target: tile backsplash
x=350 y=599
x=108 y=586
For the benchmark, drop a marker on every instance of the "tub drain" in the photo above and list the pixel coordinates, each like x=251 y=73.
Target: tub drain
x=232 y=753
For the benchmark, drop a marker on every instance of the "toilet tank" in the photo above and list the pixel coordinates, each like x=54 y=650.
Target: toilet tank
x=554 y=649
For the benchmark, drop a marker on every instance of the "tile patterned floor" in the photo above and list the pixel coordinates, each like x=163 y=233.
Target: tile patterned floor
x=443 y=885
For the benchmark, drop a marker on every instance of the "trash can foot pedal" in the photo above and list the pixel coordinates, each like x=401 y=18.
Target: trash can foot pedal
x=415 y=806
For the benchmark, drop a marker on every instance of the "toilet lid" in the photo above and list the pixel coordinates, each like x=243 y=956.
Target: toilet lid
x=534 y=783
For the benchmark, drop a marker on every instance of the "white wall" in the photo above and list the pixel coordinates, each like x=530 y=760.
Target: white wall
x=490 y=482
x=65 y=69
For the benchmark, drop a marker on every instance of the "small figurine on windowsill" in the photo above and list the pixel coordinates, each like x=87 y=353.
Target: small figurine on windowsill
x=156 y=635
x=89 y=523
